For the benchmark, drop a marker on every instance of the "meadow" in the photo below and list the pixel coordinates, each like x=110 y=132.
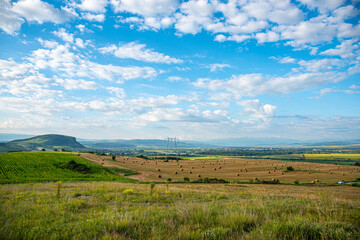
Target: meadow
x=231 y=169
x=23 y=167
x=111 y=210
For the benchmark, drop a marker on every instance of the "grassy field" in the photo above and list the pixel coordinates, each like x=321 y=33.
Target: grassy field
x=101 y=210
x=24 y=167
x=232 y=169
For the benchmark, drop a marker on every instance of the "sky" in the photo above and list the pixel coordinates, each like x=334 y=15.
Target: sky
x=196 y=69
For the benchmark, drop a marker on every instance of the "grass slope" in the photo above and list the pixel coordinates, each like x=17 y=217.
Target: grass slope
x=50 y=166
x=49 y=141
x=223 y=211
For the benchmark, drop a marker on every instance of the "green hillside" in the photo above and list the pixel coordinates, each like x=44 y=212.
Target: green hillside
x=51 y=166
x=48 y=142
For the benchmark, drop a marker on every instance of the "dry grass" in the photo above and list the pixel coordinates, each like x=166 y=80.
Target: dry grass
x=231 y=169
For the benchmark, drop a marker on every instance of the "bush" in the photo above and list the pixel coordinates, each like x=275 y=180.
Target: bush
x=297 y=182
x=76 y=167
x=186 y=179
x=290 y=168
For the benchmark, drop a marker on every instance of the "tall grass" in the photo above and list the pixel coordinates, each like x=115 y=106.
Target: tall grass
x=112 y=211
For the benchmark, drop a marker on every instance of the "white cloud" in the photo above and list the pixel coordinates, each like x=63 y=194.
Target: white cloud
x=62 y=60
x=268 y=36
x=307 y=32
x=147 y=8
x=36 y=10
x=177 y=79
x=345 y=50
x=139 y=52
x=119 y=92
x=93 y=5
x=284 y=59
x=256 y=109
x=257 y=84
x=218 y=66
x=323 y=5
x=94 y=17
x=67 y=37
x=81 y=28
x=10 y=22
x=317 y=65
x=354 y=86
x=75 y=84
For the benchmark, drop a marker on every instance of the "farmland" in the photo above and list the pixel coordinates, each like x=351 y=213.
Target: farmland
x=231 y=169
x=50 y=166
x=113 y=210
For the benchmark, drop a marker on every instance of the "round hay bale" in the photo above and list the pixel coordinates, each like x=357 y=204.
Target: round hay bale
x=190 y=172
x=202 y=166
x=182 y=169
x=238 y=174
x=158 y=169
x=199 y=175
x=159 y=176
x=175 y=172
x=214 y=169
x=255 y=178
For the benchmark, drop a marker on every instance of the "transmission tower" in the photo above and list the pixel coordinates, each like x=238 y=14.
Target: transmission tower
x=171 y=143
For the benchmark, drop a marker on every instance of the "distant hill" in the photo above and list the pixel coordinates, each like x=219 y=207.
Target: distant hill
x=48 y=142
x=7 y=137
x=142 y=143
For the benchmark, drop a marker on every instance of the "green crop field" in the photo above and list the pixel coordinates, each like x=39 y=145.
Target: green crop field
x=22 y=167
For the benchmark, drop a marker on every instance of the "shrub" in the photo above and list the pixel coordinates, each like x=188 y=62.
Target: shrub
x=76 y=167
x=186 y=179
x=290 y=168
x=128 y=191
x=297 y=182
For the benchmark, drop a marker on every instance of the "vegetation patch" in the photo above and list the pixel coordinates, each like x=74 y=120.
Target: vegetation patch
x=121 y=171
x=76 y=167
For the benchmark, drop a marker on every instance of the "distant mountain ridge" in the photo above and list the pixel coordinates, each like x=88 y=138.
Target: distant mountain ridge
x=48 y=142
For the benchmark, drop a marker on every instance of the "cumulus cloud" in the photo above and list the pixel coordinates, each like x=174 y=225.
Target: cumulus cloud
x=345 y=50
x=39 y=11
x=256 y=109
x=147 y=8
x=317 y=65
x=93 y=5
x=139 y=52
x=67 y=37
x=10 y=22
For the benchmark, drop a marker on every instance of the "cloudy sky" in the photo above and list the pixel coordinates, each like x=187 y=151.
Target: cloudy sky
x=196 y=69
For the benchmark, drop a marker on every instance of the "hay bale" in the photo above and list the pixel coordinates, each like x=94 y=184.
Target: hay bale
x=199 y=175
x=159 y=176
x=175 y=172
x=182 y=169
x=238 y=174
x=158 y=169
x=214 y=169
x=190 y=172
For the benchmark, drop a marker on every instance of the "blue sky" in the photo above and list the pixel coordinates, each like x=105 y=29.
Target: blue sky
x=124 y=69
